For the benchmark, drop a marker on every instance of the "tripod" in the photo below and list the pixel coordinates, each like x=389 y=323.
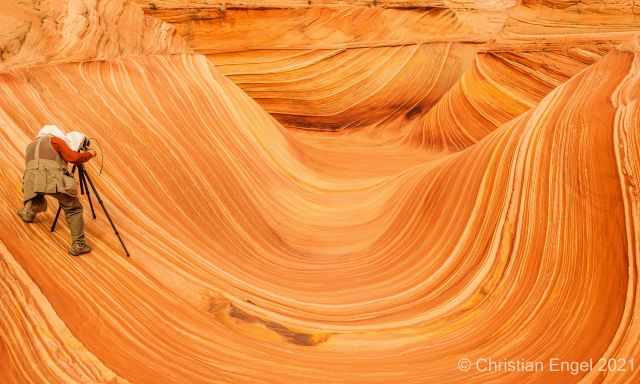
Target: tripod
x=83 y=176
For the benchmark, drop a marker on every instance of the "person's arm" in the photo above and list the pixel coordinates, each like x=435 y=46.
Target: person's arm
x=67 y=154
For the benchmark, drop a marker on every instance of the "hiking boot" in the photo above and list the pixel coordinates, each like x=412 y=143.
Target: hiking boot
x=79 y=248
x=26 y=216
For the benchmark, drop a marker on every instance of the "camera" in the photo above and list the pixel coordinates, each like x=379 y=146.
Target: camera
x=86 y=143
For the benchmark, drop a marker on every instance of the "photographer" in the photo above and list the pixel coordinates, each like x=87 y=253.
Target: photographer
x=46 y=173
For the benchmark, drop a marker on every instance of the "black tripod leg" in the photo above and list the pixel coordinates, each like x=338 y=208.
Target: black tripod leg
x=80 y=177
x=55 y=220
x=83 y=181
x=115 y=230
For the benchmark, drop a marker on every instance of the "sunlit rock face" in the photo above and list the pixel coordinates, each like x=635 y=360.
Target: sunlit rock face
x=34 y=32
x=324 y=66
x=328 y=192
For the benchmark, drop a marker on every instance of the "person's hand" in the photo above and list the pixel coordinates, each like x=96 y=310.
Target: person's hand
x=92 y=153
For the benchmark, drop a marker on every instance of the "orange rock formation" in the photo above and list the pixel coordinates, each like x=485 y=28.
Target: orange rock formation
x=328 y=191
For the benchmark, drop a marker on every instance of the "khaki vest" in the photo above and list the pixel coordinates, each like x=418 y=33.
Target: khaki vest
x=45 y=171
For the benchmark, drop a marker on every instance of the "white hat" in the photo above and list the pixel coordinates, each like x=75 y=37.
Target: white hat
x=75 y=139
x=53 y=130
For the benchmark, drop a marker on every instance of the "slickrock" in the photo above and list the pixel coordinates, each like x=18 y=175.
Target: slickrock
x=326 y=191
x=45 y=32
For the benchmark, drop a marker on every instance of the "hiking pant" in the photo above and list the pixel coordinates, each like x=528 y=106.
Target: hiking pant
x=71 y=206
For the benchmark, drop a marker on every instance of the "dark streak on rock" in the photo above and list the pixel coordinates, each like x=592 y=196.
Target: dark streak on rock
x=298 y=338
x=413 y=112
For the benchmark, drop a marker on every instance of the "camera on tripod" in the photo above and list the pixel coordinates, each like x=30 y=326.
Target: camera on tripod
x=86 y=143
x=78 y=141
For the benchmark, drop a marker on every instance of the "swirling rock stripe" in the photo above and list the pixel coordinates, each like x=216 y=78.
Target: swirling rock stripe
x=352 y=88
x=497 y=88
x=589 y=18
x=319 y=67
x=33 y=332
x=210 y=30
x=34 y=32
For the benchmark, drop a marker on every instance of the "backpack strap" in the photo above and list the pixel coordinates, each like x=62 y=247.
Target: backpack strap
x=36 y=154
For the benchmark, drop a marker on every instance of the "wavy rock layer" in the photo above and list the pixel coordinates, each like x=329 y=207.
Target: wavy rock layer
x=33 y=32
x=486 y=205
x=34 y=332
x=277 y=52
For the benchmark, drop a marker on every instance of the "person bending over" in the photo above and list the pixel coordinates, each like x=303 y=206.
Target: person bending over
x=46 y=174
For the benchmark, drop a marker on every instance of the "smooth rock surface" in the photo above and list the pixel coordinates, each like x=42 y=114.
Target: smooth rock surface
x=326 y=191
